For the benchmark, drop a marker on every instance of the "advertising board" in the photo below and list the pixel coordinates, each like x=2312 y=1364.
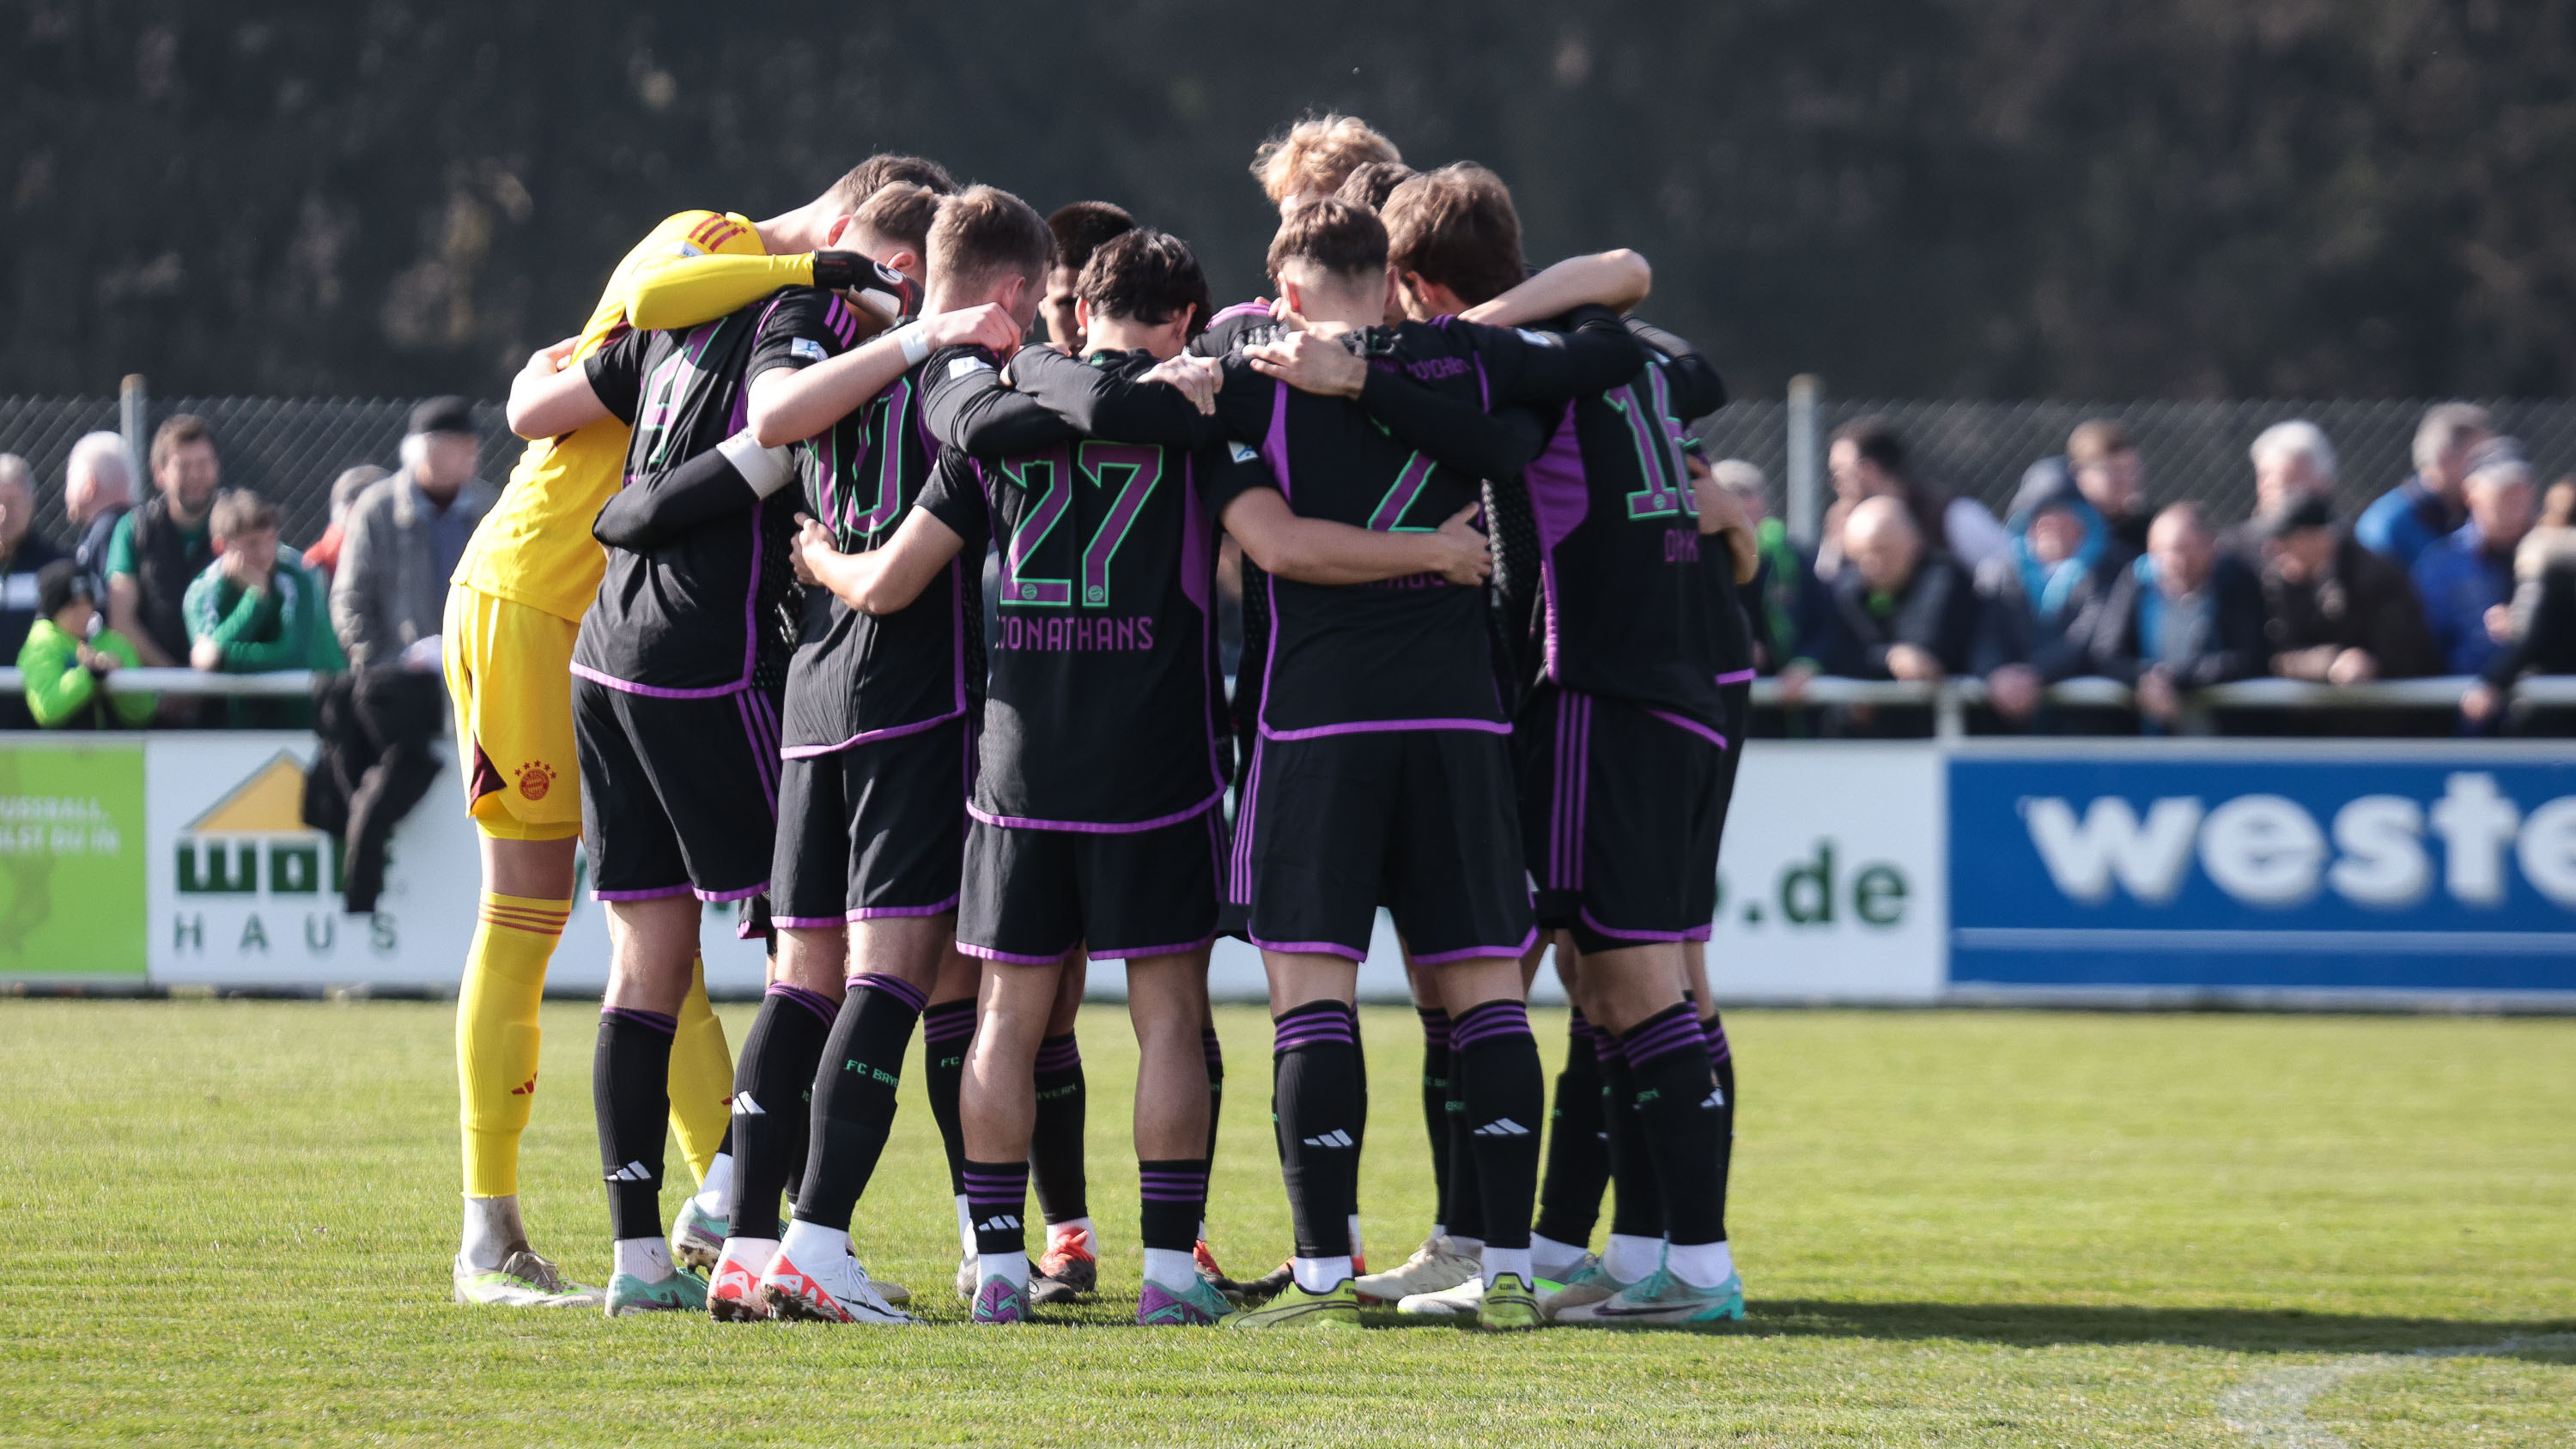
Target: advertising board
x=2265 y=865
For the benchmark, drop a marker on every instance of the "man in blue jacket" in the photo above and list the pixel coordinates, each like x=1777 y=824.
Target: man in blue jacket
x=2466 y=578
x=2409 y=518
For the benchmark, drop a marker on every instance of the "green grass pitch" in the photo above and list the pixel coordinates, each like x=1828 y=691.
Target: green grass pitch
x=231 y=1223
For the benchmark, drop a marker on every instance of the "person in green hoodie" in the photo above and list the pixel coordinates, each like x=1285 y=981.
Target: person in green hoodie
x=257 y=609
x=66 y=670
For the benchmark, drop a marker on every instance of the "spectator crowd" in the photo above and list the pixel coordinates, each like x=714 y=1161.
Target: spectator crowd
x=2464 y=570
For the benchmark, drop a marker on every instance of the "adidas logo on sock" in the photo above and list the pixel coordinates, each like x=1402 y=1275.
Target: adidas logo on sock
x=631 y=1172
x=1335 y=1138
x=1002 y=1223
x=1502 y=1127
x=744 y=1106
x=1716 y=1099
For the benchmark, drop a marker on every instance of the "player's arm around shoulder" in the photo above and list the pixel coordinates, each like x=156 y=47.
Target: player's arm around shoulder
x=1248 y=504
x=888 y=578
x=552 y=395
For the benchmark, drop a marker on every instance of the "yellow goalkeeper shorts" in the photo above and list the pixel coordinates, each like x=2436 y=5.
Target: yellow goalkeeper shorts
x=509 y=673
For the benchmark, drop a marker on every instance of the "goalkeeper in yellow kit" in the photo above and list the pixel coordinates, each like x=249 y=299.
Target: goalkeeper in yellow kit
x=513 y=612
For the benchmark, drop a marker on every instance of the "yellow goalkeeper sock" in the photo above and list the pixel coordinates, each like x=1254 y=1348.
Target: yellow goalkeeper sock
x=497 y=1033
x=701 y=1077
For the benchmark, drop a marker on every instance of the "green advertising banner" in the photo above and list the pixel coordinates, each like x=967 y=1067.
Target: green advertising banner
x=71 y=858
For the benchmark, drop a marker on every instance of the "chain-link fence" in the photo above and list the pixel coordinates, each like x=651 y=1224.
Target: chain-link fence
x=287 y=448
x=2192 y=450
x=291 y=448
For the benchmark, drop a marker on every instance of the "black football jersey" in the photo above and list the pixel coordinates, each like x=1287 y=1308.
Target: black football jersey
x=1102 y=712
x=858 y=676
x=1408 y=653
x=1625 y=609
x=702 y=613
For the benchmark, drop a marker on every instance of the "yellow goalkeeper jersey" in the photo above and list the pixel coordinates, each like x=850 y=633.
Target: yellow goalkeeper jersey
x=535 y=546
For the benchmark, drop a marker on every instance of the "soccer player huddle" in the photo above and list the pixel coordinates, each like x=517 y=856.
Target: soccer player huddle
x=734 y=627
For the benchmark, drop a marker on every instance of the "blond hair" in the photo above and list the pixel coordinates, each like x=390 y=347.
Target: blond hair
x=1316 y=155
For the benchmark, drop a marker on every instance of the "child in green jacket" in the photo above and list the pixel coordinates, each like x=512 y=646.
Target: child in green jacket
x=66 y=670
x=256 y=609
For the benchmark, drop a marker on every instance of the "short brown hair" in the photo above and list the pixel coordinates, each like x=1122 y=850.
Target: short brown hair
x=1457 y=227
x=983 y=233
x=1371 y=182
x=1332 y=234
x=900 y=211
x=1316 y=155
x=239 y=511
x=177 y=431
x=882 y=170
x=1145 y=276
x=2097 y=439
x=1082 y=227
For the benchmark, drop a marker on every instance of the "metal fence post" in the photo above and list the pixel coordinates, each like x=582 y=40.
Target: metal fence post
x=1806 y=462
x=1949 y=712
x=134 y=420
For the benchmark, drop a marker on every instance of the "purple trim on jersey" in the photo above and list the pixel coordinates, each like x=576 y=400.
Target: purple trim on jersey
x=1687 y=723
x=1239 y=869
x=1616 y=934
x=1471 y=953
x=1382 y=726
x=987 y=953
x=1089 y=827
x=957 y=637
x=807 y=923
x=1560 y=497
x=894 y=986
x=1274 y=443
x=1309 y=948
x=636 y=1016
x=873 y=913
x=864 y=737
x=1138 y=953
x=656 y=894
x=1242 y=309
x=1697 y=933
x=1737 y=676
x=1198 y=583
x=1484 y=384
x=655 y=691
x=720 y=897
x=823 y=1007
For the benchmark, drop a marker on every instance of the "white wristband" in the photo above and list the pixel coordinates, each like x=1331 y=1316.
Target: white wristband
x=915 y=341
x=765 y=469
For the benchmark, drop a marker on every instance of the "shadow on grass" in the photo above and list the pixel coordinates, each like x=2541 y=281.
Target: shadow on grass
x=2239 y=1330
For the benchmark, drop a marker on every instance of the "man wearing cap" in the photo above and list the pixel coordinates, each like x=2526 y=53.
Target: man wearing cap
x=2337 y=613
x=402 y=540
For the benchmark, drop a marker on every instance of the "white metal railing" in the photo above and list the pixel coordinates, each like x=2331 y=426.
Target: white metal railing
x=1949 y=698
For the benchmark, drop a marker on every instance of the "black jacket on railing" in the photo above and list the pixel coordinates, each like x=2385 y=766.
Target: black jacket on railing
x=2220 y=644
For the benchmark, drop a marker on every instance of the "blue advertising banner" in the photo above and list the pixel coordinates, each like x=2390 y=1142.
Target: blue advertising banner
x=2297 y=867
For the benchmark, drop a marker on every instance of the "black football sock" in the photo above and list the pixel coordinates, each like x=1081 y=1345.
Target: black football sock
x=1636 y=1204
x=1055 y=1144
x=1722 y=1061
x=1462 y=1209
x=630 y=1092
x=1578 y=1160
x=1174 y=1197
x=1505 y=1094
x=947 y=1030
x=996 y=1194
x=773 y=1084
x=1214 y=1051
x=854 y=1086
x=1315 y=1058
x=1682 y=1114
x=1435 y=1104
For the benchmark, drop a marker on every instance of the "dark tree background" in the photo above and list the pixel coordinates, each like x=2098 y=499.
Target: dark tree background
x=1936 y=198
